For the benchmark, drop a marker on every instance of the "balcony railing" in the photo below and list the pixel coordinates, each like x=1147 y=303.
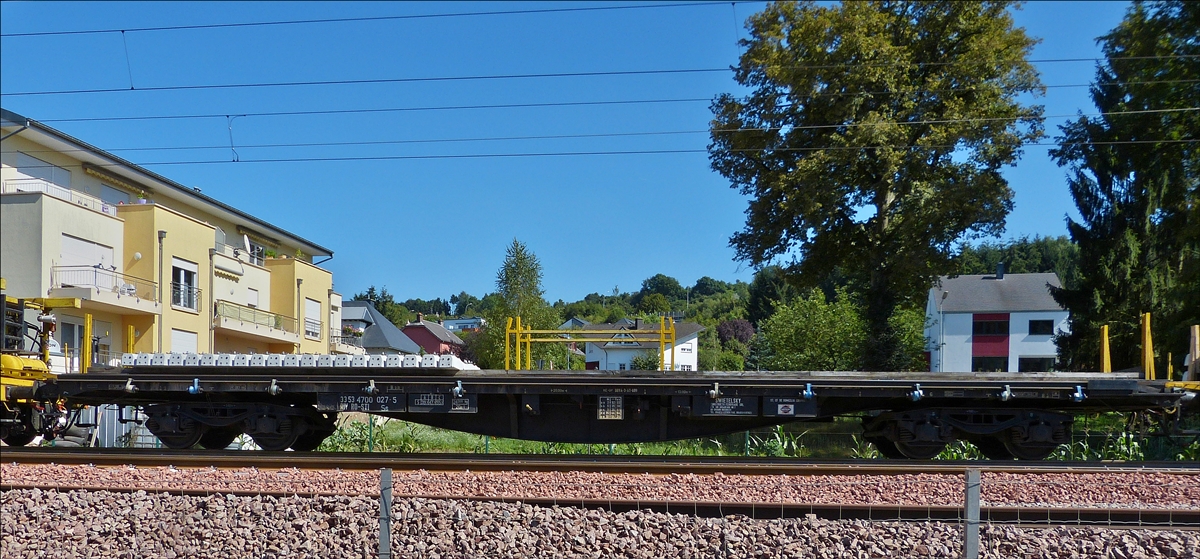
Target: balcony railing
x=185 y=296
x=240 y=253
x=312 y=328
x=103 y=279
x=62 y=193
x=355 y=341
x=241 y=313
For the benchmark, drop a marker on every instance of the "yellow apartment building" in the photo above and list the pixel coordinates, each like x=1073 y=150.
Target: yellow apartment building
x=159 y=266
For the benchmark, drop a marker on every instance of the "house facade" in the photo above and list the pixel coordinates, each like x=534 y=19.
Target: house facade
x=465 y=324
x=610 y=353
x=159 y=266
x=989 y=323
x=433 y=337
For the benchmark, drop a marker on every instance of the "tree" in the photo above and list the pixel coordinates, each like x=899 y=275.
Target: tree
x=706 y=286
x=464 y=303
x=518 y=293
x=820 y=333
x=872 y=140
x=813 y=334
x=654 y=303
x=769 y=288
x=1023 y=256
x=665 y=285
x=1135 y=178
x=386 y=304
x=646 y=361
x=740 y=330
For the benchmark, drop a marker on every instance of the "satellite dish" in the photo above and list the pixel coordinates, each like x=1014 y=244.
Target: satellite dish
x=246 y=242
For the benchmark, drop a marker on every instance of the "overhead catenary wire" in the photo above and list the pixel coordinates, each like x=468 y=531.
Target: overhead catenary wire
x=617 y=134
x=602 y=153
x=367 y=19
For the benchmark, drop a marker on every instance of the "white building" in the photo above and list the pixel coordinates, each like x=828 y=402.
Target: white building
x=613 y=354
x=1002 y=322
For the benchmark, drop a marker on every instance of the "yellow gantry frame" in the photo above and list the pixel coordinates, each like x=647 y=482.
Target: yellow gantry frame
x=519 y=339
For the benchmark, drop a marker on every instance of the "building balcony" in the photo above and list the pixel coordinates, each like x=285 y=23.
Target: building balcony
x=105 y=289
x=184 y=296
x=345 y=344
x=12 y=186
x=254 y=323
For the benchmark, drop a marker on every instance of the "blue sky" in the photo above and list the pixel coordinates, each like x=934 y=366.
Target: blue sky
x=434 y=218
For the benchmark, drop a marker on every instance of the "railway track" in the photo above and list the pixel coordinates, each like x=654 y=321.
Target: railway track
x=556 y=462
x=1034 y=515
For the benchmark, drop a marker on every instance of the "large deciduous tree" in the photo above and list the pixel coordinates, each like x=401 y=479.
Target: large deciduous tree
x=518 y=293
x=1135 y=177
x=872 y=140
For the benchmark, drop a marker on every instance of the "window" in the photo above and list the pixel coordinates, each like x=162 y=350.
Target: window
x=312 y=319
x=183 y=341
x=257 y=253
x=1041 y=327
x=621 y=367
x=989 y=364
x=184 y=291
x=252 y=297
x=684 y=367
x=990 y=328
x=1035 y=364
x=36 y=168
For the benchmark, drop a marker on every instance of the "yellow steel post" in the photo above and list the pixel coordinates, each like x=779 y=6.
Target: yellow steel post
x=85 y=352
x=1147 y=348
x=671 y=324
x=517 y=363
x=662 y=343
x=1105 y=357
x=129 y=339
x=1170 y=366
x=528 y=348
x=507 y=335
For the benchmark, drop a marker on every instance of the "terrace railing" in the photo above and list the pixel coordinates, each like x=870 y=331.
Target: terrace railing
x=104 y=279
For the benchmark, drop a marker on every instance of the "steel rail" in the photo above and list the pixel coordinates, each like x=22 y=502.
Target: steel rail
x=1022 y=516
x=553 y=462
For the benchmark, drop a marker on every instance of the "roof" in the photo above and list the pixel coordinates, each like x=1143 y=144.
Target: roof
x=381 y=334
x=356 y=312
x=1014 y=293
x=683 y=330
x=439 y=331
x=118 y=165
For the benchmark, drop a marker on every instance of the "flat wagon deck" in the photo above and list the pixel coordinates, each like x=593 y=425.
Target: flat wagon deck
x=1023 y=415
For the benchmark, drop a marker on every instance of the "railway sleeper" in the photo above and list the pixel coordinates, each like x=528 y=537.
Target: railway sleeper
x=999 y=434
x=216 y=425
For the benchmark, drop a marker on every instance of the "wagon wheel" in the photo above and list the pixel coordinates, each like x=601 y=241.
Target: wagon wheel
x=1029 y=451
x=219 y=438
x=181 y=440
x=993 y=448
x=920 y=451
x=885 y=447
x=19 y=439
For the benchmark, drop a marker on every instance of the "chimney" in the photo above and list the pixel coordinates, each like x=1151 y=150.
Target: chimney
x=1000 y=271
x=420 y=318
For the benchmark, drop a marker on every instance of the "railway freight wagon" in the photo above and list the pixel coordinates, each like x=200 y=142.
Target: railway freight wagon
x=292 y=401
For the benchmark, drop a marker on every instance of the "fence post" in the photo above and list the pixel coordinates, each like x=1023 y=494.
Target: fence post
x=971 y=538
x=385 y=513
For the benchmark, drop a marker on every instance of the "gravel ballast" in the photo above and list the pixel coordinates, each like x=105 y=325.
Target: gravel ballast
x=1095 y=490
x=50 y=523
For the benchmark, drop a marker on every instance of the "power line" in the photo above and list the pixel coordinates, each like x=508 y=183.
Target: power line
x=372 y=81
x=387 y=110
x=617 y=134
x=593 y=153
x=362 y=19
